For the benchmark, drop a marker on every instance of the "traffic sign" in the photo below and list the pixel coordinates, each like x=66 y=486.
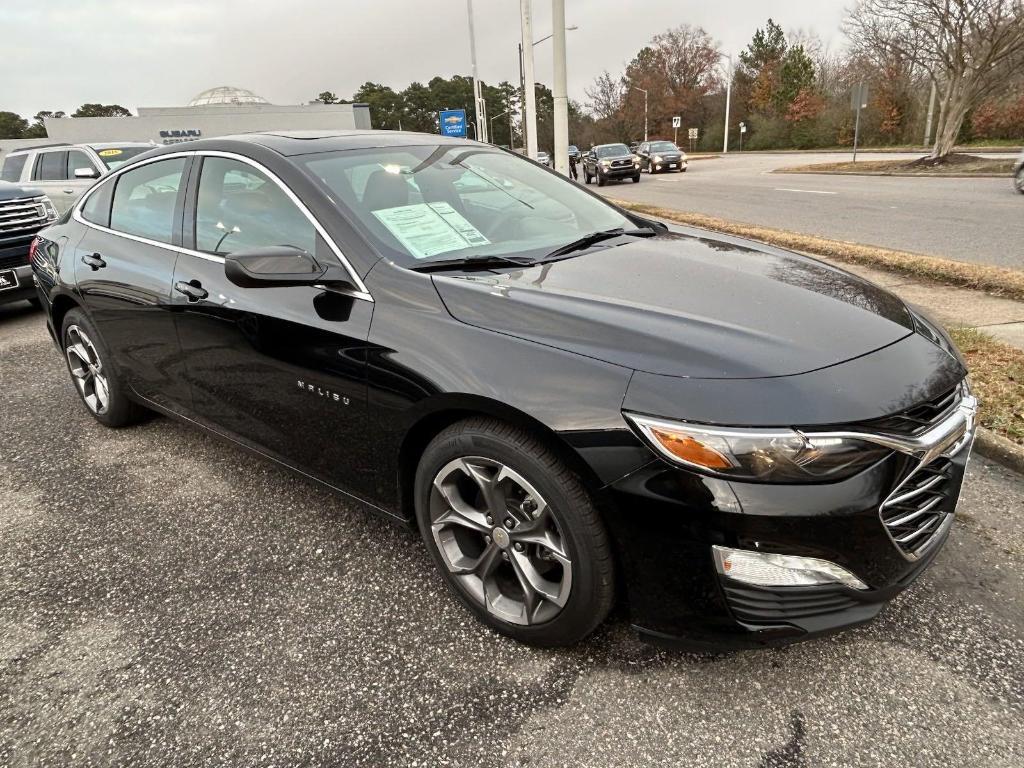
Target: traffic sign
x=453 y=122
x=743 y=127
x=677 y=121
x=692 y=133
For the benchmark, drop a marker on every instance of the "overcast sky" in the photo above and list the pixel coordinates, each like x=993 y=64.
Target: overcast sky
x=59 y=54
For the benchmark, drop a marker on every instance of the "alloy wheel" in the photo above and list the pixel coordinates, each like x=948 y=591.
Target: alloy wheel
x=500 y=540
x=87 y=370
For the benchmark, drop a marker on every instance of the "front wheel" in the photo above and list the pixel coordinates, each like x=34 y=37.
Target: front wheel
x=601 y=181
x=94 y=375
x=636 y=179
x=514 y=533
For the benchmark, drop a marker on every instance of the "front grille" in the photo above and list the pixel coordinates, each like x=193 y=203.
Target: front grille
x=622 y=163
x=919 y=419
x=22 y=216
x=764 y=605
x=916 y=510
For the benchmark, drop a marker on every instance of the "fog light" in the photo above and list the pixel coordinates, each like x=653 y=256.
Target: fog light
x=765 y=569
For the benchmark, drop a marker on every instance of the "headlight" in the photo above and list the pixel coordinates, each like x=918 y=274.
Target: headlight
x=606 y=163
x=761 y=455
x=657 y=158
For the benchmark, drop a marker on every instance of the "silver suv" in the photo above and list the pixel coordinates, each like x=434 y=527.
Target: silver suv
x=64 y=171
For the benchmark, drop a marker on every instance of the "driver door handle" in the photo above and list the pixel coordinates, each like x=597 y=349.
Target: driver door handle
x=193 y=290
x=93 y=260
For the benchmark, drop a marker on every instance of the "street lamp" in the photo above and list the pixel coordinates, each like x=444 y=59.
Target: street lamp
x=526 y=63
x=638 y=88
x=480 y=105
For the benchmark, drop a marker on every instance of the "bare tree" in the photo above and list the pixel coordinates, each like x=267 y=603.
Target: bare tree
x=967 y=47
x=605 y=96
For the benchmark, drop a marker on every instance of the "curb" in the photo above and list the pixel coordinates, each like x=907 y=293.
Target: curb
x=999 y=449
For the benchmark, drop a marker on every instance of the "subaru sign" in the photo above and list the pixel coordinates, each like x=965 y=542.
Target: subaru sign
x=453 y=123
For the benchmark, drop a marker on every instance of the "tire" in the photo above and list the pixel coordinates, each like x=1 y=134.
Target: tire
x=601 y=181
x=521 y=472
x=636 y=179
x=1020 y=181
x=97 y=377
x=586 y=177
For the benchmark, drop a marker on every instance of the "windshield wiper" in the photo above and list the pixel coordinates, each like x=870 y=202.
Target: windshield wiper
x=596 y=237
x=473 y=262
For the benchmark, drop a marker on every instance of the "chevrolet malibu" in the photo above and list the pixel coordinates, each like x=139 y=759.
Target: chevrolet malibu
x=573 y=404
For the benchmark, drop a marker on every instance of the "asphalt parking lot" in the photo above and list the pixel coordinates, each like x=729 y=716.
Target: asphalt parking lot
x=964 y=219
x=169 y=600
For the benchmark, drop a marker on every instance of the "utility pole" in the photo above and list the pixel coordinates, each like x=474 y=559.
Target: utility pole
x=530 y=101
x=481 y=107
x=560 y=90
x=860 y=100
x=728 y=99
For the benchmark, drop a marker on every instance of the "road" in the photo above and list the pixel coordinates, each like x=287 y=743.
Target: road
x=168 y=600
x=976 y=220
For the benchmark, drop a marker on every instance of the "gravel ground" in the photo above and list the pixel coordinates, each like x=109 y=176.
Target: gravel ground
x=168 y=600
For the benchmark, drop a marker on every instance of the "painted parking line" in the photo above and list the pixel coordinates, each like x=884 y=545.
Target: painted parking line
x=808 y=191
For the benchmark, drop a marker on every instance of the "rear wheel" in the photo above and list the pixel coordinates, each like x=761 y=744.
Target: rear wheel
x=514 y=533
x=586 y=177
x=94 y=375
x=1020 y=181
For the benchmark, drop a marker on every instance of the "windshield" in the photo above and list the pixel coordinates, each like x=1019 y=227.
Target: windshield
x=663 y=146
x=114 y=157
x=428 y=203
x=611 y=150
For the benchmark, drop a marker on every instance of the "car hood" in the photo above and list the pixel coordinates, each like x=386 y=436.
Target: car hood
x=10 y=191
x=683 y=305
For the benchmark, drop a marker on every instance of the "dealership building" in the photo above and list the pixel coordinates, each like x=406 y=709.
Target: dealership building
x=215 y=112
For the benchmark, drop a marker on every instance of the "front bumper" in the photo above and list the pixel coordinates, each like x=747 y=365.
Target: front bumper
x=666 y=519
x=625 y=172
x=11 y=258
x=670 y=164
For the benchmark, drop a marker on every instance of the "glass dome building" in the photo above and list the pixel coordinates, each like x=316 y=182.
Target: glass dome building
x=226 y=94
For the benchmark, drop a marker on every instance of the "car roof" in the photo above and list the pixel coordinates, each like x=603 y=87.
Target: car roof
x=613 y=144
x=105 y=144
x=307 y=142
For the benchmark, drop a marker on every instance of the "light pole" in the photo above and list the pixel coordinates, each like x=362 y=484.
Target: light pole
x=728 y=98
x=529 y=123
x=481 y=107
x=529 y=96
x=559 y=89
x=638 y=88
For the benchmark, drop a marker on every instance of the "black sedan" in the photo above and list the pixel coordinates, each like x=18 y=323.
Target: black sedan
x=572 y=403
x=658 y=156
x=607 y=162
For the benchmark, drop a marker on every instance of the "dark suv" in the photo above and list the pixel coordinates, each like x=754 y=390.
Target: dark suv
x=610 y=161
x=23 y=212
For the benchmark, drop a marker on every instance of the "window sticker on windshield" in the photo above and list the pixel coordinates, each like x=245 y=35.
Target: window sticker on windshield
x=427 y=229
x=111 y=152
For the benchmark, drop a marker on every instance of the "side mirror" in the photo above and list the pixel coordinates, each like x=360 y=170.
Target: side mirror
x=279 y=266
x=86 y=173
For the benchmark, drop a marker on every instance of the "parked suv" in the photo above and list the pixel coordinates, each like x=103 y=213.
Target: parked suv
x=610 y=161
x=23 y=212
x=1018 y=174
x=656 y=156
x=64 y=171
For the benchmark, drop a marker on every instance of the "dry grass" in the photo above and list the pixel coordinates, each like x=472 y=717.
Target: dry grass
x=997 y=375
x=966 y=165
x=998 y=281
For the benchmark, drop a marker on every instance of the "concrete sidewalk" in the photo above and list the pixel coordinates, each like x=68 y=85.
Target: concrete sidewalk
x=953 y=307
